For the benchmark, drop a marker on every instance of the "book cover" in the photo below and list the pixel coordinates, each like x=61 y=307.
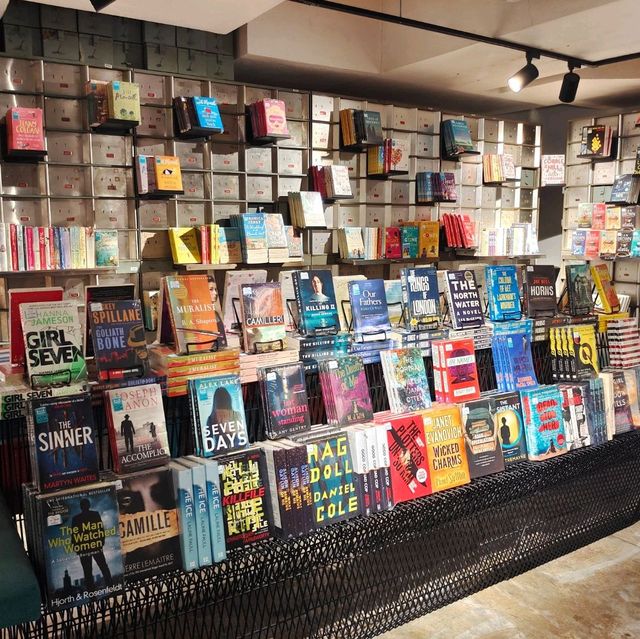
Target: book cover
x=149 y=527
x=455 y=371
x=508 y=420
x=332 y=480
x=275 y=118
x=184 y=245
x=405 y=379
x=185 y=499
x=276 y=234
x=347 y=390
x=409 y=238
x=63 y=442
x=25 y=132
x=592 y=244
x=218 y=417
x=168 y=176
x=119 y=342
x=578 y=242
x=598 y=216
x=446 y=452
x=579 y=287
x=420 y=297
x=124 y=100
x=244 y=498
x=543 y=423
x=369 y=309
x=392 y=243
x=373 y=127
x=429 y=239
x=540 y=290
x=254 y=231
x=263 y=324
x=607 y=296
x=107 y=252
x=464 y=301
x=286 y=405
x=503 y=293
x=393 y=295
x=81 y=548
x=316 y=302
x=484 y=452
x=207 y=113
x=137 y=427
x=53 y=343
x=230 y=250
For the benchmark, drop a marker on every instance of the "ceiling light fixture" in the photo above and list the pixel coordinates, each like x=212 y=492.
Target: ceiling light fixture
x=99 y=5
x=569 y=86
x=525 y=76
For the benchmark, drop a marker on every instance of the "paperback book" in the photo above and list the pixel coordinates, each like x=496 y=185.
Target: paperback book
x=316 y=302
x=607 y=299
x=103 y=293
x=405 y=379
x=465 y=308
x=369 y=309
x=484 y=452
x=503 y=293
x=540 y=291
x=263 y=322
x=508 y=419
x=579 y=286
x=543 y=423
x=420 y=297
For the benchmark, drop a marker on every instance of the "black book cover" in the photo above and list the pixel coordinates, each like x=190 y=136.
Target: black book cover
x=484 y=452
x=540 y=290
x=579 y=287
x=464 y=301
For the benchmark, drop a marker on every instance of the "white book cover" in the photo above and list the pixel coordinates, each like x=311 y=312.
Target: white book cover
x=312 y=209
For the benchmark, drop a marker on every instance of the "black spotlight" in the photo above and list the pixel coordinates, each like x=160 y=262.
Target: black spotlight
x=569 y=86
x=99 y=5
x=525 y=76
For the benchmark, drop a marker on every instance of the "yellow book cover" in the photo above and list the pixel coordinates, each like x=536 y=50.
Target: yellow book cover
x=167 y=173
x=603 y=320
x=214 y=246
x=607 y=296
x=124 y=100
x=429 y=239
x=184 y=245
x=445 y=447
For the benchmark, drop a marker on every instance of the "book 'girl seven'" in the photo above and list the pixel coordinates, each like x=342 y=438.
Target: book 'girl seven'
x=137 y=427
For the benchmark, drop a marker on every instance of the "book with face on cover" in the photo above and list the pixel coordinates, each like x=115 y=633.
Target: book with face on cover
x=484 y=452
x=263 y=322
x=316 y=302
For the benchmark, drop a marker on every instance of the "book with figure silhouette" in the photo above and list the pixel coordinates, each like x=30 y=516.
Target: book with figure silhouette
x=508 y=418
x=316 y=302
x=137 y=427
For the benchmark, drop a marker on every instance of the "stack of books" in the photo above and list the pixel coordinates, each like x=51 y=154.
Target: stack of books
x=310 y=350
x=198 y=116
x=456 y=138
x=498 y=168
x=518 y=239
x=253 y=237
x=158 y=175
x=626 y=189
x=460 y=230
x=435 y=187
x=268 y=119
x=624 y=343
x=306 y=209
x=331 y=181
x=207 y=244
x=249 y=364
x=513 y=361
x=455 y=374
x=360 y=128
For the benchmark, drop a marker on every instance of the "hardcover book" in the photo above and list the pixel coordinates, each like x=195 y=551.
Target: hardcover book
x=543 y=423
x=63 y=442
x=503 y=293
x=285 y=401
x=405 y=379
x=409 y=238
x=263 y=323
x=218 y=417
x=316 y=302
x=607 y=300
x=103 y=293
x=429 y=239
x=540 y=291
x=119 y=342
x=369 y=309
x=124 y=100
x=53 y=343
x=184 y=245
x=465 y=308
x=578 y=282
x=81 y=548
x=167 y=173
x=207 y=113
x=484 y=452
x=137 y=427
x=579 y=242
x=420 y=297
x=25 y=134
x=455 y=373
x=508 y=420
x=149 y=527
x=446 y=452
x=244 y=498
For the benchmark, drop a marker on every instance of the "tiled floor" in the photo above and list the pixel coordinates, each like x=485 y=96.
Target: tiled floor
x=593 y=592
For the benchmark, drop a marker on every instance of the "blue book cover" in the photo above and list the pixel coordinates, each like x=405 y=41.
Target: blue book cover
x=183 y=486
x=254 y=231
x=218 y=416
x=216 y=522
x=503 y=293
x=635 y=243
x=518 y=352
x=201 y=507
x=543 y=423
x=420 y=297
x=82 y=552
x=369 y=309
x=208 y=113
x=578 y=242
x=106 y=247
x=465 y=308
x=316 y=302
x=409 y=237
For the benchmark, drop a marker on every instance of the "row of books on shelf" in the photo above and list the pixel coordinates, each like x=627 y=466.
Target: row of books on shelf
x=599 y=216
x=35 y=248
x=418 y=240
x=434 y=187
x=360 y=128
x=625 y=189
x=460 y=230
x=331 y=181
x=268 y=119
x=592 y=244
x=498 y=168
x=518 y=240
x=389 y=158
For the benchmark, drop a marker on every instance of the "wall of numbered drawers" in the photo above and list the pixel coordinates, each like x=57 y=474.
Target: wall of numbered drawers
x=591 y=181
x=88 y=178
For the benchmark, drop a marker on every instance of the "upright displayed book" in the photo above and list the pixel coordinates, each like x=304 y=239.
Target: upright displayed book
x=369 y=310
x=463 y=299
x=306 y=209
x=578 y=283
x=103 y=293
x=540 y=291
x=508 y=420
x=285 y=401
x=62 y=440
x=405 y=379
x=137 y=427
x=119 y=343
x=454 y=370
x=503 y=293
x=607 y=299
x=484 y=452
x=25 y=132
x=420 y=297
x=456 y=138
x=428 y=239
x=106 y=248
x=53 y=343
x=316 y=302
x=543 y=423
x=263 y=322
x=184 y=245
x=268 y=119
x=217 y=414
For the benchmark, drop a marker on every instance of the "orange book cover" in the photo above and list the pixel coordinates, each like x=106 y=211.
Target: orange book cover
x=429 y=239
x=167 y=173
x=445 y=447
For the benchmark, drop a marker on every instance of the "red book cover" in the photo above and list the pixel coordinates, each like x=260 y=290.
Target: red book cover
x=204 y=245
x=469 y=229
x=592 y=244
x=22 y=296
x=393 y=243
x=456 y=361
x=458 y=230
x=24 y=129
x=447 y=230
x=28 y=247
x=13 y=237
x=598 y=216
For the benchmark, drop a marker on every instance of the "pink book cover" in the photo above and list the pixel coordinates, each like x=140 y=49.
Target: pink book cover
x=393 y=244
x=24 y=129
x=52 y=248
x=598 y=216
x=42 y=248
x=350 y=391
x=275 y=114
x=28 y=245
x=592 y=244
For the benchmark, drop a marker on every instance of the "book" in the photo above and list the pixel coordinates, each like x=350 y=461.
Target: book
x=244 y=498
x=428 y=239
x=229 y=247
x=217 y=414
x=578 y=282
x=79 y=528
x=62 y=441
x=233 y=282
x=184 y=245
x=137 y=427
x=456 y=137
x=207 y=113
x=307 y=210
x=25 y=132
x=455 y=374
x=124 y=100
x=503 y=293
x=446 y=451
x=167 y=175
x=484 y=452
x=607 y=300
x=106 y=247
x=102 y=293
x=409 y=236
x=119 y=342
x=508 y=420
x=351 y=243
x=465 y=308
x=393 y=295
x=53 y=343
x=405 y=379
x=369 y=309
x=540 y=291
x=149 y=525
x=285 y=401
x=185 y=499
x=316 y=302
x=543 y=423
x=263 y=323
x=420 y=297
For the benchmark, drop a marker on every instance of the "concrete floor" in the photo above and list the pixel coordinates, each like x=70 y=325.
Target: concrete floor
x=593 y=592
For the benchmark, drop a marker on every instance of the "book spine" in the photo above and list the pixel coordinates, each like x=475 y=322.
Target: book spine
x=216 y=522
x=90 y=247
x=198 y=478
x=113 y=444
x=42 y=248
x=4 y=248
x=28 y=248
x=385 y=463
x=15 y=251
x=188 y=534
